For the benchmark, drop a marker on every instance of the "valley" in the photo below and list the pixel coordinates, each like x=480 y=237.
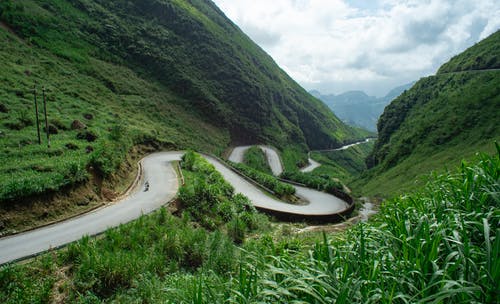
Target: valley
x=151 y=152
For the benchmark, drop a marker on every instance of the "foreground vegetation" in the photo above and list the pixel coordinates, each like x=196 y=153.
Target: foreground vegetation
x=209 y=200
x=440 y=245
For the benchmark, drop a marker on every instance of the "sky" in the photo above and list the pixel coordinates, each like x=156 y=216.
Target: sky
x=371 y=45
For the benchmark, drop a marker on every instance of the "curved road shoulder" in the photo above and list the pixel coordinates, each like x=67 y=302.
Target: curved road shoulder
x=158 y=186
x=162 y=182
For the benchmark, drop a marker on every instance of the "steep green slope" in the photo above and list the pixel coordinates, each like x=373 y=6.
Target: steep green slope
x=195 y=51
x=482 y=56
x=165 y=73
x=442 y=119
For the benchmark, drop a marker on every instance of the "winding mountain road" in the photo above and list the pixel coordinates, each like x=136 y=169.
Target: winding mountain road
x=320 y=203
x=314 y=164
x=157 y=172
x=158 y=186
x=272 y=157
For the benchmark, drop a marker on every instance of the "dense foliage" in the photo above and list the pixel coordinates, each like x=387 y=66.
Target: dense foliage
x=256 y=158
x=195 y=52
x=269 y=181
x=211 y=201
x=482 y=56
x=439 y=245
x=320 y=182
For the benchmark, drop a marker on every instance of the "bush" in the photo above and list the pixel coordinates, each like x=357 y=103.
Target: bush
x=211 y=201
x=266 y=180
x=318 y=182
x=87 y=135
x=256 y=158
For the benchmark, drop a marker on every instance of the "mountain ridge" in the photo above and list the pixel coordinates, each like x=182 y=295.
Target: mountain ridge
x=359 y=109
x=442 y=119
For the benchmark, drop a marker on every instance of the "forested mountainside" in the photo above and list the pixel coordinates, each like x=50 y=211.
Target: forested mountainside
x=442 y=118
x=191 y=49
x=118 y=73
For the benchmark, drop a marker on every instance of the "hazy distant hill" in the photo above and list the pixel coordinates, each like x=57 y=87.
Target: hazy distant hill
x=358 y=109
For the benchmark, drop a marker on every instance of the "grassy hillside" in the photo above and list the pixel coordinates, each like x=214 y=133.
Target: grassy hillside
x=162 y=74
x=344 y=164
x=440 y=120
x=192 y=49
x=406 y=254
x=481 y=56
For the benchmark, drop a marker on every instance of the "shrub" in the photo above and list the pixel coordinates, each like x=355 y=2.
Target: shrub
x=318 y=182
x=87 y=135
x=210 y=200
x=266 y=180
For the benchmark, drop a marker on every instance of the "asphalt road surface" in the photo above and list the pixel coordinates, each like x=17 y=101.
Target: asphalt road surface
x=272 y=156
x=158 y=173
x=157 y=187
x=312 y=165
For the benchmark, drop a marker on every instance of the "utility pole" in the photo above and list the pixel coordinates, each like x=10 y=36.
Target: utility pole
x=36 y=114
x=46 y=120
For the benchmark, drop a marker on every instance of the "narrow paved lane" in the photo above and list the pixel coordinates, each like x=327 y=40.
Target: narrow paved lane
x=272 y=156
x=158 y=186
x=320 y=203
x=312 y=165
x=158 y=173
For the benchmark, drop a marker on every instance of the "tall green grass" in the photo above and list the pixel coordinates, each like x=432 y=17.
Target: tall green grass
x=438 y=245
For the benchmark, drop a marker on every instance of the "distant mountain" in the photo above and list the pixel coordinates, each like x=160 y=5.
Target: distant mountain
x=356 y=108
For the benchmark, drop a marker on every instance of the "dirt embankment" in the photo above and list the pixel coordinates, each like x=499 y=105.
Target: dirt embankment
x=41 y=210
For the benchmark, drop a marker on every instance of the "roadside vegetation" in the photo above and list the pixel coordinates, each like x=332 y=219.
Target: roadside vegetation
x=293 y=158
x=319 y=182
x=256 y=158
x=280 y=189
x=440 y=244
x=208 y=199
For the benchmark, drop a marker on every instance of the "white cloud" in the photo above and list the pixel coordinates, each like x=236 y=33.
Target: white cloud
x=339 y=45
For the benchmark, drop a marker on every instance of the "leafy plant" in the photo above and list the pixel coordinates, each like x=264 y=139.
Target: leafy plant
x=270 y=182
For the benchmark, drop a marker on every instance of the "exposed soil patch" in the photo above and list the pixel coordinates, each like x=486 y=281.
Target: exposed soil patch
x=7 y=28
x=49 y=208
